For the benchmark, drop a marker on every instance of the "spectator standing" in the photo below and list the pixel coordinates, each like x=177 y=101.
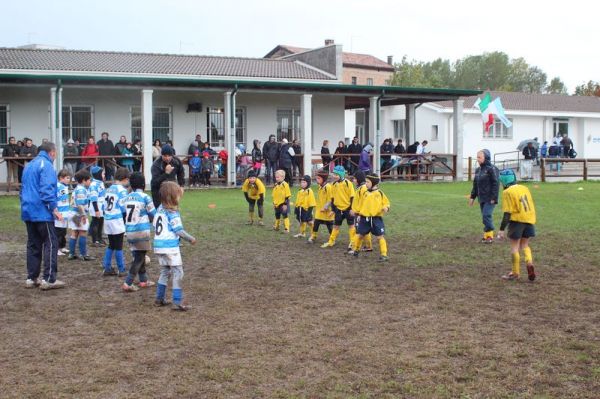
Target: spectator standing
x=485 y=189
x=386 y=149
x=137 y=151
x=106 y=148
x=297 y=163
x=529 y=155
x=354 y=148
x=567 y=145
x=286 y=159
x=11 y=150
x=270 y=154
x=326 y=156
x=166 y=168
x=399 y=150
x=90 y=152
x=339 y=158
x=118 y=150
x=156 y=149
x=257 y=158
x=28 y=152
x=127 y=151
x=364 y=162
x=71 y=153
x=39 y=210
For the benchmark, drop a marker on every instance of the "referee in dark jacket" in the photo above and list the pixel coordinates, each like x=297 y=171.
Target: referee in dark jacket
x=166 y=168
x=485 y=189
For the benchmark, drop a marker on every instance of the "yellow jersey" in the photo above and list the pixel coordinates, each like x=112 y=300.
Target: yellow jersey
x=254 y=190
x=360 y=193
x=372 y=203
x=323 y=198
x=305 y=198
x=517 y=201
x=343 y=193
x=281 y=192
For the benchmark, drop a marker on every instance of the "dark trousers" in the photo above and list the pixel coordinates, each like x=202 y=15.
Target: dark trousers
x=288 y=176
x=108 y=169
x=205 y=178
x=41 y=243
x=270 y=168
x=61 y=235
x=95 y=230
x=138 y=266
x=115 y=241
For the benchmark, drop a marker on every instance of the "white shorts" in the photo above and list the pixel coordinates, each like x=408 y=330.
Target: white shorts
x=170 y=259
x=114 y=226
x=83 y=226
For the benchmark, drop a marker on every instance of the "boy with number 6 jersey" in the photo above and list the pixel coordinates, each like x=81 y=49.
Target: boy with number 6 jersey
x=139 y=214
x=114 y=226
x=79 y=222
x=62 y=205
x=168 y=229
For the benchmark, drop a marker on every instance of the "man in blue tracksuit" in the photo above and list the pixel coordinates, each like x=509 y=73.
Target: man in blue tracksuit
x=38 y=211
x=485 y=189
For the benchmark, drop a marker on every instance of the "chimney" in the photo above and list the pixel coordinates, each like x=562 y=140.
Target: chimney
x=329 y=42
x=391 y=59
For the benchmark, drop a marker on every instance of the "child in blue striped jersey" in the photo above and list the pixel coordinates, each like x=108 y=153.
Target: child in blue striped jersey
x=140 y=212
x=63 y=207
x=114 y=224
x=97 y=191
x=168 y=229
x=78 y=223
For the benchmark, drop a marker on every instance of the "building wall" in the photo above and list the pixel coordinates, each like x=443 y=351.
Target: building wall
x=380 y=78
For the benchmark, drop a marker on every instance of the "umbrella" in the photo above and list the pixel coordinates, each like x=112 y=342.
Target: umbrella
x=524 y=143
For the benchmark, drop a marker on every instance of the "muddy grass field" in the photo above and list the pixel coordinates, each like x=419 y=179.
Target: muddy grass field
x=274 y=316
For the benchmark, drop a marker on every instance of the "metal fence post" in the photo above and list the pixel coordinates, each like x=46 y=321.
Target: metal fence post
x=470 y=168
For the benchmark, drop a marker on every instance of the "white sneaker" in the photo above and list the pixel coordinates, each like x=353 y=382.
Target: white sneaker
x=29 y=283
x=60 y=253
x=51 y=286
x=299 y=235
x=327 y=245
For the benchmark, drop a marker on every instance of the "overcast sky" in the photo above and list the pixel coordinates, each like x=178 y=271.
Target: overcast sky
x=561 y=39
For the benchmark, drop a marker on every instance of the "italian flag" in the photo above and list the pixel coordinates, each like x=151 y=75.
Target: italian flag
x=487 y=112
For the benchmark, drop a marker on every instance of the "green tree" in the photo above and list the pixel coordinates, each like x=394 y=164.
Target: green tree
x=556 y=86
x=409 y=74
x=590 y=88
x=438 y=73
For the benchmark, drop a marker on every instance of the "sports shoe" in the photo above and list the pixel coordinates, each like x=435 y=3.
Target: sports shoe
x=299 y=235
x=181 y=308
x=161 y=302
x=111 y=272
x=73 y=257
x=383 y=258
x=530 y=272
x=350 y=252
x=310 y=241
x=365 y=249
x=285 y=231
x=51 y=286
x=510 y=276
x=249 y=223
x=489 y=240
x=275 y=228
x=29 y=283
x=146 y=284
x=129 y=288
x=87 y=258
x=65 y=250
x=122 y=274
x=327 y=245
x=260 y=223
x=60 y=253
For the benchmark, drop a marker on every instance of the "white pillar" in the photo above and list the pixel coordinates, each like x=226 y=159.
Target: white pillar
x=59 y=135
x=53 y=122
x=229 y=131
x=412 y=123
x=374 y=131
x=147 y=111
x=457 y=136
x=306 y=132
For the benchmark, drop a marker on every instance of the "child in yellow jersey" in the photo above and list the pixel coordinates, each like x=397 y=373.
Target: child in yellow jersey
x=373 y=205
x=305 y=203
x=361 y=189
x=342 y=197
x=519 y=215
x=281 y=201
x=323 y=213
x=254 y=191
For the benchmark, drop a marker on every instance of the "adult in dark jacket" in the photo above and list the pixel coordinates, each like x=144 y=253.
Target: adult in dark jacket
x=28 y=151
x=257 y=157
x=71 y=152
x=11 y=150
x=340 y=152
x=165 y=168
x=297 y=163
x=399 y=149
x=326 y=155
x=354 y=148
x=386 y=150
x=38 y=211
x=106 y=148
x=270 y=153
x=286 y=160
x=485 y=189
x=119 y=147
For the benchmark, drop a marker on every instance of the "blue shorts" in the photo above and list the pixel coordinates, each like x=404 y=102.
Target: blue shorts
x=341 y=215
x=303 y=215
x=373 y=225
x=518 y=230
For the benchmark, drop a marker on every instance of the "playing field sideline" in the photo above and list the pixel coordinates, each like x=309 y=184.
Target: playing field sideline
x=274 y=316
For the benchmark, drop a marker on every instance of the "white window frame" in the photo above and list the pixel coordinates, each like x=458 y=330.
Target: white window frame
x=498 y=131
x=293 y=130
x=7 y=127
x=70 y=126
x=133 y=129
x=354 y=80
x=239 y=127
x=556 y=122
x=435 y=132
x=369 y=81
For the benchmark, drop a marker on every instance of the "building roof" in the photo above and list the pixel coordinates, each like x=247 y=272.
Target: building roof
x=348 y=59
x=155 y=64
x=515 y=101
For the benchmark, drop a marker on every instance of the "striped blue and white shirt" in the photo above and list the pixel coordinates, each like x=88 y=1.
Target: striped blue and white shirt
x=114 y=209
x=80 y=198
x=96 y=193
x=63 y=204
x=140 y=210
x=167 y=223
